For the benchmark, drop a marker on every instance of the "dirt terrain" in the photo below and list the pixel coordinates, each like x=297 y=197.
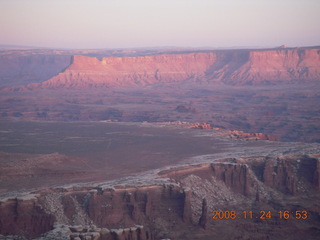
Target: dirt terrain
x=43 y=154
x=289 y=112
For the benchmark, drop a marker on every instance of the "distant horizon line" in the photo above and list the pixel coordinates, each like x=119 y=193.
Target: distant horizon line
x=29 y=47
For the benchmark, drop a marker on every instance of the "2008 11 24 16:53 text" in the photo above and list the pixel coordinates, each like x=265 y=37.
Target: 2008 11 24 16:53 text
x=259 y=215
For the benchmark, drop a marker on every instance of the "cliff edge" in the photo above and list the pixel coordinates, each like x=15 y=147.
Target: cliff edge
x=231 y=67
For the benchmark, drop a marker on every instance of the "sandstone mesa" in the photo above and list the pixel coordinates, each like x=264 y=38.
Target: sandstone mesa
x=232 y=67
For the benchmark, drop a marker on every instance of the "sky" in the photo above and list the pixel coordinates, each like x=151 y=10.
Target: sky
x=91 y=24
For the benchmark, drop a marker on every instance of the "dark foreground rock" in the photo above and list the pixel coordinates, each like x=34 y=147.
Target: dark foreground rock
x=243 y=198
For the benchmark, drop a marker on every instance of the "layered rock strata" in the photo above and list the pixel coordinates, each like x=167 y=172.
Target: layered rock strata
x=234 y=67
x=183 y=205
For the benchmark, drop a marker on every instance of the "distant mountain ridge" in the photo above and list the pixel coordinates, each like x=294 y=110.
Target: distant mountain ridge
x=13 y=46
x=231 y=67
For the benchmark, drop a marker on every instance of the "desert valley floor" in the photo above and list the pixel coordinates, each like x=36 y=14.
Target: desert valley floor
x=44 y=154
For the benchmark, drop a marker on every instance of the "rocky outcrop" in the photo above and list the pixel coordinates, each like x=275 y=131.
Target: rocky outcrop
x=235 y=67
x=235 y=176
x=24 y=217
x=271 y=66
x=235 y=134
x=87 y=72
x=290 y=175
x=184 y=205
x=201 y=126
x=91 y=232
x=117 y=211
x=203 y=221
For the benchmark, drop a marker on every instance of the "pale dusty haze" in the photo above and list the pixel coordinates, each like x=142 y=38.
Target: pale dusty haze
x=159 y=23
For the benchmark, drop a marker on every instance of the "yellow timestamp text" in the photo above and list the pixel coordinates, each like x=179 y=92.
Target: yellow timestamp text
x=284 y=214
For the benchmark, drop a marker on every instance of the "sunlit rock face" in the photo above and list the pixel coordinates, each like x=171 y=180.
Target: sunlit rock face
x=233 y=67
x=271 y=91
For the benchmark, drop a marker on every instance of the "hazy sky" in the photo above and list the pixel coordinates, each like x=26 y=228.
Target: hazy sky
x=149 y=23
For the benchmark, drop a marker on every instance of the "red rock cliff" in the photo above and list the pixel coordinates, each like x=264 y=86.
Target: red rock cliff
x=275 y=65
x=236 y=67
x=162 y=211
x=106 y=208
x=130 y=71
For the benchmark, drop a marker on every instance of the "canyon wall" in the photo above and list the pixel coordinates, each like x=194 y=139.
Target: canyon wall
x=89 y=72
x=273 y=66
x=234 y=67
x=117 y=210
x=183 y=205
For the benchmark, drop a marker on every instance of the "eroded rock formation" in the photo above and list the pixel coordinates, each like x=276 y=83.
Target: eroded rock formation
x=183 y=205
x=234 y=67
